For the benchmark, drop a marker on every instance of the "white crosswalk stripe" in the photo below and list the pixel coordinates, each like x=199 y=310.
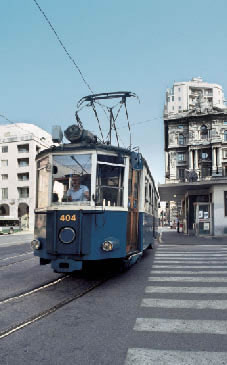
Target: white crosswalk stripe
x=198 y=276
x=188 y=254
x=140 y=356
x=189 y=267
x=189 y=261
x=181 y=325
x=185 y=289
x=195 y=271
x=196 y=304
x=214 y=279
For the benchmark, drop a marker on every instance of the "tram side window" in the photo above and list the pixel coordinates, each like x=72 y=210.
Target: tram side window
x=71 y=179
x=109 y=185
x=151 y=198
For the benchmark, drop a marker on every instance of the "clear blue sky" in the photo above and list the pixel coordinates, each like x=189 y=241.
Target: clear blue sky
x=141 y=46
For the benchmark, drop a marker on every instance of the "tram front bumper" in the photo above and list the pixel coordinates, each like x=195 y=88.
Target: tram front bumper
x=66 y=265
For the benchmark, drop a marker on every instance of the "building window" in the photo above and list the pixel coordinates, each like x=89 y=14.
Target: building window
x=4 y=193
x=4 y=177
x=23 y=162
x=180 y=126
x=23 y=177
x=181 y=139
x=225 y=122
x=22 y=148
x=179 y=89
x=4 y=163
x=204 y=132
x=179 y=98
x=168 y=98
x=225 y=136
x=181 y=174
x=225 y=202
x=4 y=149
x=181 y=156
x=23 y=192
x=204 y=156
x=172 y=98
x=225 y=153
x=206 y=171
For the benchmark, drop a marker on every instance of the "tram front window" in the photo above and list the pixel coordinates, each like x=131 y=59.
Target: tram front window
x=110 y=184
x=71 y=179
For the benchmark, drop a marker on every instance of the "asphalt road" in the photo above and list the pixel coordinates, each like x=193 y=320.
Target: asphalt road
x=170 y=308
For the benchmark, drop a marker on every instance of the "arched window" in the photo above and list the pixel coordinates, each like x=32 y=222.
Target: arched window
x=181 y=139
x=225 y=135
x=204 y=132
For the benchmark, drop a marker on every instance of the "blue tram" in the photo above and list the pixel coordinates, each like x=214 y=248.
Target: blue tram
x=94 y=202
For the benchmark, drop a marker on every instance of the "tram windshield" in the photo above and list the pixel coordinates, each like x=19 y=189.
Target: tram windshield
x=71 y=179
x=66 y=179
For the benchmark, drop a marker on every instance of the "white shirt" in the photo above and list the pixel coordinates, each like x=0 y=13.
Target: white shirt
x=78 y=195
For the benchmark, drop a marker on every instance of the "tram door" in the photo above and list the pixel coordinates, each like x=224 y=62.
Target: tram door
x=133 y=213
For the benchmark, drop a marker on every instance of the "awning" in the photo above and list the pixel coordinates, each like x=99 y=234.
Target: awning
x=177 y=191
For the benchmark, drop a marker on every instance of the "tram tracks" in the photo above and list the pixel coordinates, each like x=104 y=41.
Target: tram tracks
x=82 y=288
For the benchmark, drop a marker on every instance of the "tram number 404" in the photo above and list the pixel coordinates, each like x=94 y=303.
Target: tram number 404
x=67 y=217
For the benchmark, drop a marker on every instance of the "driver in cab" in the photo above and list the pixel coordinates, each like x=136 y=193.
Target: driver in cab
x=77 y=192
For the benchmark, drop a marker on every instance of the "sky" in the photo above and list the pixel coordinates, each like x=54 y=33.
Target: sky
x=119 y=45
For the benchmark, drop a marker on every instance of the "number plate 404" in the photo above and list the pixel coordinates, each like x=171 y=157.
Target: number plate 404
x=67 y=217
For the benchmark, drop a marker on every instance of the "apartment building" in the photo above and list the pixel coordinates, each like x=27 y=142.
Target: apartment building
x=196 y=167
x=19 y=144
x=185 y=96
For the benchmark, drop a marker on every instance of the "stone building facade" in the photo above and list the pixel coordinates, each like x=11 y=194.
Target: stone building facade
x=19 y=144
x=196 y=143
x=196 y=168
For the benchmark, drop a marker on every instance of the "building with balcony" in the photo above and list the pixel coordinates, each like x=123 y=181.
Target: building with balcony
x=185 y=96
x=19 y=144
x=196 y=168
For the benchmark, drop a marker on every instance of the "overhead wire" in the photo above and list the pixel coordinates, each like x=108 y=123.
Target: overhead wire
x=67 y=53
x=62 y=45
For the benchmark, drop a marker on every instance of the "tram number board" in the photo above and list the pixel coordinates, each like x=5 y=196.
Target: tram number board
x=67 y=217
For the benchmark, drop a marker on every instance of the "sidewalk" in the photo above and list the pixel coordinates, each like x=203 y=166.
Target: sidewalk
x=173 y=237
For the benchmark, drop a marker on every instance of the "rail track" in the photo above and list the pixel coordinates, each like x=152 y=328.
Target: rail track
x=76 y=293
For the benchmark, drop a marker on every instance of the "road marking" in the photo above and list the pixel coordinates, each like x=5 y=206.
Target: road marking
x=181 y=326
x=177 y=304
x=186 y=289
x=188 y=267
x=188 y=254
x=190 y=261
x=196 y=271
x=183 y=258
x=214 y=279
x=143 y=356
x=13 y=257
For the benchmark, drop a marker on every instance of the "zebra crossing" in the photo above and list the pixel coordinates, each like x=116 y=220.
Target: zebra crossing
x=184 y=309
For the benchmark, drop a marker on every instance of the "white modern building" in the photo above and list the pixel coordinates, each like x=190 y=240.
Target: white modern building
x=184 y=96
x=19 y=144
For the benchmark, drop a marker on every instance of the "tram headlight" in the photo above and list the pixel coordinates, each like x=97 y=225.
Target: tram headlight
x=36 y=244
x=107 y=246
